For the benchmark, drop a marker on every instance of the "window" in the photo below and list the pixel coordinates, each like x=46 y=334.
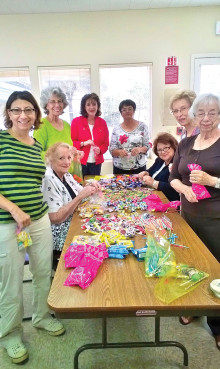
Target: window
x=11 y=80
x=74 y=81
x=206 y=73
x=127 y=81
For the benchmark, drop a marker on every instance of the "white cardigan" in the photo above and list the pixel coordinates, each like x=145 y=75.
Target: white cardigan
x=55 y=193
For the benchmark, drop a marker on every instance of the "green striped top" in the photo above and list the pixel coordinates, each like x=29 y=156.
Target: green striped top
x=21 y=173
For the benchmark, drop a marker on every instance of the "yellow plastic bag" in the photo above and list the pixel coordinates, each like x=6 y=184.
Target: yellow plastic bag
x=182 y=280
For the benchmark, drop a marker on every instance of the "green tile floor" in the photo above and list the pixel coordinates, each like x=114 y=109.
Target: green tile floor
x=48 y=352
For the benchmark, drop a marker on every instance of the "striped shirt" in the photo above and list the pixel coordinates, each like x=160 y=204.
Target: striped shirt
x=21 y=173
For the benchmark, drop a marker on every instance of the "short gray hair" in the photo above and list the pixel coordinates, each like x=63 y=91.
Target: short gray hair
x=46 y=95
x=204 y=99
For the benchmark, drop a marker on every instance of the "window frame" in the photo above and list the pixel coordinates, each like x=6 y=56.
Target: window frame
x=63 y=68
x=196 y=61
x=14 y=69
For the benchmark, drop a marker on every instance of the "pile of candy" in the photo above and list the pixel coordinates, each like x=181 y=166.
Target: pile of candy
x=126 y=200
x=129 y=225
x=125 y=224
x=116 y=183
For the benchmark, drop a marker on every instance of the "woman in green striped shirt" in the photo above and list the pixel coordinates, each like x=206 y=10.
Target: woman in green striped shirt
x=21 y=206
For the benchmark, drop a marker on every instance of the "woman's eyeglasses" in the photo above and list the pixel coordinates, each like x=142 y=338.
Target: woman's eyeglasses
x=165 y=149
x=18 y=111
x=181 y=110
x=202 y=114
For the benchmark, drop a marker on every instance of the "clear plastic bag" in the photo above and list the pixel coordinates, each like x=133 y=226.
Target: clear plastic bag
x=159 y=259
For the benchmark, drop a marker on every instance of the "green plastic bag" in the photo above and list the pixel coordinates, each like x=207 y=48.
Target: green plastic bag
x=159 y=258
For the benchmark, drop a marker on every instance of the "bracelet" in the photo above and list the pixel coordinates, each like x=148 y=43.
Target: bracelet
x=154 y=184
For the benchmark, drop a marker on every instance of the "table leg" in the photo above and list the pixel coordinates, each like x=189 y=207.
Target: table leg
x=159 y=343
x=104 y=344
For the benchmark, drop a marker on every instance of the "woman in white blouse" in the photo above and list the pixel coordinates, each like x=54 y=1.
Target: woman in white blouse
x=62 y=193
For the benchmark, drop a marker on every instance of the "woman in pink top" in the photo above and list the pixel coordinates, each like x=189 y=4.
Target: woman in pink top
x=90 y=134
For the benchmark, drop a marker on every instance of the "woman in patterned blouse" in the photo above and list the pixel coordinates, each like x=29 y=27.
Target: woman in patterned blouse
x=129 y=142
x=62 y=193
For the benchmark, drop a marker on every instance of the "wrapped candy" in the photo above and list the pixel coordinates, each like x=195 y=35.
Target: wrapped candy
x=83 y=276
x=23 y=239
x=200 y=190
x=78 y=255
x=86 y=259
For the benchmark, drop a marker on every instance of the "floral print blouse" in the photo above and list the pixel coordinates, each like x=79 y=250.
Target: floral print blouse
x=121 y=139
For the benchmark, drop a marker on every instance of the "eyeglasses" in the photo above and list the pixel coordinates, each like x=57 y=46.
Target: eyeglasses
x=181 y=110
x=18 y=111
x=202 y=114
x=165 y=149
x=54 y=102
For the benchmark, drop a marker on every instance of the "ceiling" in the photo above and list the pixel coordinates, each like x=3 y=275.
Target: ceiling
x=68 y=6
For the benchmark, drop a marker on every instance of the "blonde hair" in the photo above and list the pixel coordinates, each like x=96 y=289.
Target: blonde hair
x=188 y=95
x=52 y=151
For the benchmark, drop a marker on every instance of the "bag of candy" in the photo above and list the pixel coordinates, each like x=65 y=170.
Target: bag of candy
x=200 y=190
x=83 y=276
x=23 y=238
x=159 y=258
x=182 y=280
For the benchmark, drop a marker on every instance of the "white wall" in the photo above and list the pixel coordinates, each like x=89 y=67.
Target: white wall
x=111 y=37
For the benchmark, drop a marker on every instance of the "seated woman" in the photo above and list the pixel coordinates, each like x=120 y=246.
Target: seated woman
x=164 y=146
x=62 y=193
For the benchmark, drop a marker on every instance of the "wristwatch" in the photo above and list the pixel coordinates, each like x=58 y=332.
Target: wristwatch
x=217 y=185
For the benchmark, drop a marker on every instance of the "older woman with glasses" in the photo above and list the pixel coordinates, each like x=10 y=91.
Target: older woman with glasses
x=62 y=193
x=21 y=206
x=129 y=142
x=164 y=146
x=179 y=106
x=203 y=216
x=53 y=129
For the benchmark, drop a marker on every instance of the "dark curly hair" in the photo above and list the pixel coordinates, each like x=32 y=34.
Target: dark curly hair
x=22 y=95
x=127 y=102
x=166 y=139
x=92 y=97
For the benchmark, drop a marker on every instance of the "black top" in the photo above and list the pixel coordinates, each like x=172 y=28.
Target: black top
x=209 y=160
x=69 y=189
x=162 y=177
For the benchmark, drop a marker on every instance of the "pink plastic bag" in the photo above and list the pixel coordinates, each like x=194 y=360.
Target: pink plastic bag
x=200 y=190
x=154 y=203
x=77 y=255
x=83 y=276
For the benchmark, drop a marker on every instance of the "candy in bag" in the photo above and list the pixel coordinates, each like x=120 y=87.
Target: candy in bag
x=159 y=258
x=182 y=280
x=200 y=190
